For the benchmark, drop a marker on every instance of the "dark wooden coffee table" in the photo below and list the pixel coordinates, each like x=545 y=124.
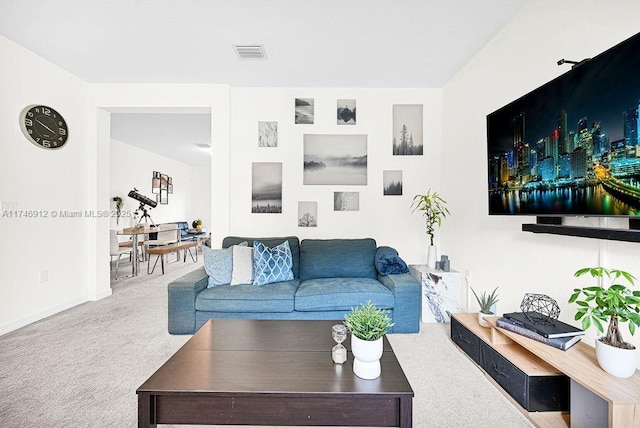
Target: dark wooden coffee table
x=266 y=372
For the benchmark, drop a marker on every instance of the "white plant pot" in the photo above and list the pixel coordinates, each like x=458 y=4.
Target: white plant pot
x=366 y=357
x=432 y=256
x=482 y=321
x=616 y=361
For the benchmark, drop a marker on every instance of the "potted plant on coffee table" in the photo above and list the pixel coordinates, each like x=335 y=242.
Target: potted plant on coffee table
x=616 y=303
x=486 y=303
x=367 y=325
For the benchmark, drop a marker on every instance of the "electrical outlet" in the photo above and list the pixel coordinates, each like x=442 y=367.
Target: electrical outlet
x=44 y=275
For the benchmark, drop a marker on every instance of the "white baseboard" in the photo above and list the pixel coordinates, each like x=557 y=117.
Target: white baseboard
x=21 y=322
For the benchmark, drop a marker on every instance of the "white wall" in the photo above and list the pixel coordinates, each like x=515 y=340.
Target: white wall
x=201 y=196
x=133 y=167
x=385 y=218
x=520 y=58
x=45 y=181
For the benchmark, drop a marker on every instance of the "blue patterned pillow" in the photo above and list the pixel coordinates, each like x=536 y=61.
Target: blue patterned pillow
x=219 y=264
x=271 y=264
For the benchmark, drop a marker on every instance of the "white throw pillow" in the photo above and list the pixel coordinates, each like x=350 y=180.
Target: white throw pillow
x=242 y=272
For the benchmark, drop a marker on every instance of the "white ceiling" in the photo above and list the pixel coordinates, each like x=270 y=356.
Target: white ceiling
x=348 y=43
x=175 y=136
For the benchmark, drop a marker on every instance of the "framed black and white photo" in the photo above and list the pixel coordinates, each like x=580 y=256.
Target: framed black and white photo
x=392 y=182
x=407 y=129
x=335 y=159
x=346 y=201
x=346 y=112
x=267 y=134
x=304 y=111
x=266 y=187
x=307 y=214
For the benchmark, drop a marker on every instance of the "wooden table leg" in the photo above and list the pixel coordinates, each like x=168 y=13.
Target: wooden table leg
x=146 y=411
x=406 y=412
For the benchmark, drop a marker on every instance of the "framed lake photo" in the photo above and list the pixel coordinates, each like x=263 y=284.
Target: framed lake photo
x=407 y=129
x=346 y=201
x=267 y=134
x=307 y=214
x=304 y=111
x=335 y=159
x=346 y=112
x=266 y=187
x=392 y=183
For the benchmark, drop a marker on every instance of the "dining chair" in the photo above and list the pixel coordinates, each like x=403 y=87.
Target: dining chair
x=116 y=250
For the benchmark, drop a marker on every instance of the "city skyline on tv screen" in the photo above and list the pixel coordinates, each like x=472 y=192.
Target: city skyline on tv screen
x=571 y=146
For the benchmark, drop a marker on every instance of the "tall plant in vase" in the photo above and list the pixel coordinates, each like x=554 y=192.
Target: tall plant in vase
x=434 y=209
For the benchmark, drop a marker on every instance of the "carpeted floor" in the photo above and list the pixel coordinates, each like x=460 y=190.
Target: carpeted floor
x=81 y=368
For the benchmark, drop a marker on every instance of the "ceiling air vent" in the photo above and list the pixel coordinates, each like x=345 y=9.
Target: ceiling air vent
x=250 y=51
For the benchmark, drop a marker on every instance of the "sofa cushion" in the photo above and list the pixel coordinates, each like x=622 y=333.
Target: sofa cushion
x=277 y=297
x=271 y=264
x=337 y=258
x=218 y=263
x=294 y=246
x=242 y=270
x=334 y=294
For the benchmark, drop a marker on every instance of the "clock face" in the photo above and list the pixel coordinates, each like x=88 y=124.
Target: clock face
x=44 y=127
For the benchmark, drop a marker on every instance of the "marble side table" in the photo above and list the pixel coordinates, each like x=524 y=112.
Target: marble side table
x=440 y=292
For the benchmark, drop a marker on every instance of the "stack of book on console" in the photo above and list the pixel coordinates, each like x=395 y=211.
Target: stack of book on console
x=554 y=333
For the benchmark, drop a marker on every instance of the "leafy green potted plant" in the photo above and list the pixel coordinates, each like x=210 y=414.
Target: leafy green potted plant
x=615 y=304
x=119 y=203
x=367 y=325
x=434 y=209
x=486 y=303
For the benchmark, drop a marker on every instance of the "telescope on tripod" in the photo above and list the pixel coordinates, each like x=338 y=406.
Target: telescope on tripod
x=143 y=201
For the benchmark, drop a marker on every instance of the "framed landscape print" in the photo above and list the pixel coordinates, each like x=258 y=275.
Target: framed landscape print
x=335 y=159
x=307 y=214
x=407 y=129
x=392 y=182
x=266 y=187
x=346 y=112
x=304 y=111
x=267 y=134
x=346 y=201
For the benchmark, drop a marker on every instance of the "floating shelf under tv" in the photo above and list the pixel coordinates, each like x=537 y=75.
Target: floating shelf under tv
x=554 y=226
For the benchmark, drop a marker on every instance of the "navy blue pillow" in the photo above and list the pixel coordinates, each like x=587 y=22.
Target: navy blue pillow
x=388 y=261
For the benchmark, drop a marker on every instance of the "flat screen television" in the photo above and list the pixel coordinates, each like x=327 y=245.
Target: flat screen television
x=571 y=147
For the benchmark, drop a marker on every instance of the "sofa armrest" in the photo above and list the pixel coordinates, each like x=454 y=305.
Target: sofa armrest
x=406 y=308
x=182 y=301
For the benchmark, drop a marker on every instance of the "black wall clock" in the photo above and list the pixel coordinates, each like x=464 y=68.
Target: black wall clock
x=44 y=126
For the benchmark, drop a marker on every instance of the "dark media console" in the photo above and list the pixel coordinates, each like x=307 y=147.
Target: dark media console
x=554 y=226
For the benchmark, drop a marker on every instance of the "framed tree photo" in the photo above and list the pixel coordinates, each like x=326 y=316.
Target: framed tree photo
x=266 y=187
x=307 y=214
x=407 y=129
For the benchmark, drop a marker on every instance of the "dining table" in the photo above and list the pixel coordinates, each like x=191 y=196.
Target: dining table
x=134 y=232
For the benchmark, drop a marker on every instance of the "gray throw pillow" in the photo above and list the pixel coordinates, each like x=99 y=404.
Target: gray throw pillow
x=218 y=263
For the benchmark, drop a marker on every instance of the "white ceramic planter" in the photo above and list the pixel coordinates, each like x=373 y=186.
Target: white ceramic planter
x=432 y=256
x=482 y=321
x=616 y=361
x=366 y=357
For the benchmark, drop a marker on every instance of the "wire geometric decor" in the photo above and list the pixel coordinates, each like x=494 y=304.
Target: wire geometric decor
x=540 y=308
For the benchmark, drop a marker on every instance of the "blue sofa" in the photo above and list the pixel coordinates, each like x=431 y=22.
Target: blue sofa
x=330 y=277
